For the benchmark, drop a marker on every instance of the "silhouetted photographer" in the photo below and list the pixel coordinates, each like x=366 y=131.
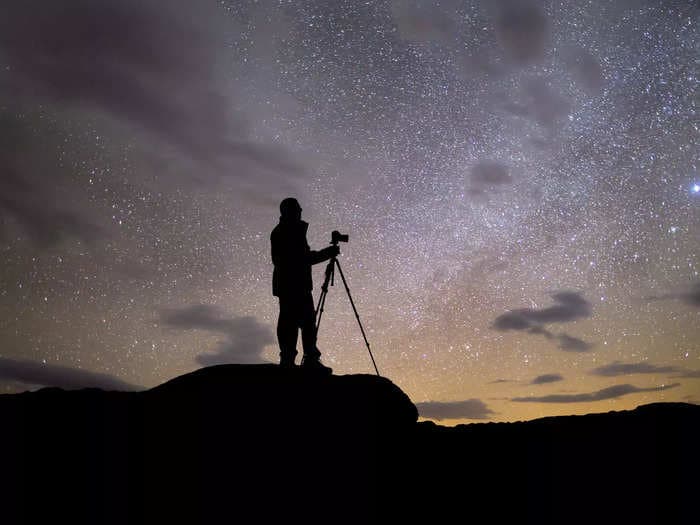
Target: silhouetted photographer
x=292 y=284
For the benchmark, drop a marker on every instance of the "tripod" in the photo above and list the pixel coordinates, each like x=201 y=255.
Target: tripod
x=330 y=276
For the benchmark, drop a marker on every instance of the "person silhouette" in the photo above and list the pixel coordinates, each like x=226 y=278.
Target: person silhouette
x=292 y=284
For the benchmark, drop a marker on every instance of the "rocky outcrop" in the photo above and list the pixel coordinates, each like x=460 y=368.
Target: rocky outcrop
x=211 y=446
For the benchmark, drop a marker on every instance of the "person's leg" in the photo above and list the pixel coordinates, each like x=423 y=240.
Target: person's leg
x=308 y=326
x=287 y=330
x=308 y=335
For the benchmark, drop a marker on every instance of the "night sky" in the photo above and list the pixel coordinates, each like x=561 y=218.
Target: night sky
x=519 y=181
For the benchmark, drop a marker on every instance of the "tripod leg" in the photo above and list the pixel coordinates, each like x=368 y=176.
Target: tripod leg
x=324 y=292
x=357 y=316
x=319 y=309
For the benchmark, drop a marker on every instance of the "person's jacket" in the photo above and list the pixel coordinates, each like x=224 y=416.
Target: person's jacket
x=292 y=258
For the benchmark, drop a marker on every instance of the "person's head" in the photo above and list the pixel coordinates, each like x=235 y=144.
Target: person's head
x=290 y=209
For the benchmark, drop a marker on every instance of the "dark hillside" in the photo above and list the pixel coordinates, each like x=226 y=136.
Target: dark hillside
x=260 y=444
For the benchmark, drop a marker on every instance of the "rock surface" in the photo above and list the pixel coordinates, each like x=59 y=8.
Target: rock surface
x=218 y=443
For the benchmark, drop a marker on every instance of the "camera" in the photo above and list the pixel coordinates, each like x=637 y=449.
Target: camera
x=337 y=237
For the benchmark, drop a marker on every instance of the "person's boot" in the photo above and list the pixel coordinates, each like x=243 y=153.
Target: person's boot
x=314 y=363
x=287 y=360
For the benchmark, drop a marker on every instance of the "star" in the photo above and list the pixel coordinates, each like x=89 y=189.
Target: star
x=483 y=165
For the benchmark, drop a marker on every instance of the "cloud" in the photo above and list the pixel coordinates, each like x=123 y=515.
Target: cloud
x=522 y=30
x=540 y=330
x=521 y=27
x=622 y=369
x=545 y=105
x=487 y=174
x=501 y=381
x=599 y=395
x=585 y=69
x=147 y=64
x=135 y=60
x=570 y=307
x=31 y=373
x=539 y=102
x=426 y=22
x=46 y=211
x=518 y=36
x=570 y=343
x=691 y=297
x=513 y=320
x=547 y=378
x=467 y=409
x=245 y=341
x=617 y=368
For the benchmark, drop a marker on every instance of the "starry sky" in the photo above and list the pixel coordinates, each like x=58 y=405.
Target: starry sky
x=519 y=182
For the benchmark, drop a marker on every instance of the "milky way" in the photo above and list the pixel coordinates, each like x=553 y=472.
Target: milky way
x=519 y=182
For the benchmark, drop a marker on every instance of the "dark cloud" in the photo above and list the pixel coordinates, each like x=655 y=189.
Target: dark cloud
x=547 y=378
x=585 y=69
x=245 y=341
x=426 y=22
x=541 y=331
x=599 y=395
x=522 y=30
x=544 y=104
x=617 y=368
x=47 y=212
x=570 y=307
x=147 y=64
x=468 y=409
x=133 y=59
x=691 y=297
x=573 y=344
x=517 y=109
x=539 y=102
x=487 y=174
x=33 y=374
x=513 y=320
x=622 y=369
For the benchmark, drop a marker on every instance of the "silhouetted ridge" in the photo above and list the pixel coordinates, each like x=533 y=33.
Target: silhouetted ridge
x=265 y=444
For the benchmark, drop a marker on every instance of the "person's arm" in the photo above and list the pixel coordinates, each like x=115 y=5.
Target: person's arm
x=316 y=257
